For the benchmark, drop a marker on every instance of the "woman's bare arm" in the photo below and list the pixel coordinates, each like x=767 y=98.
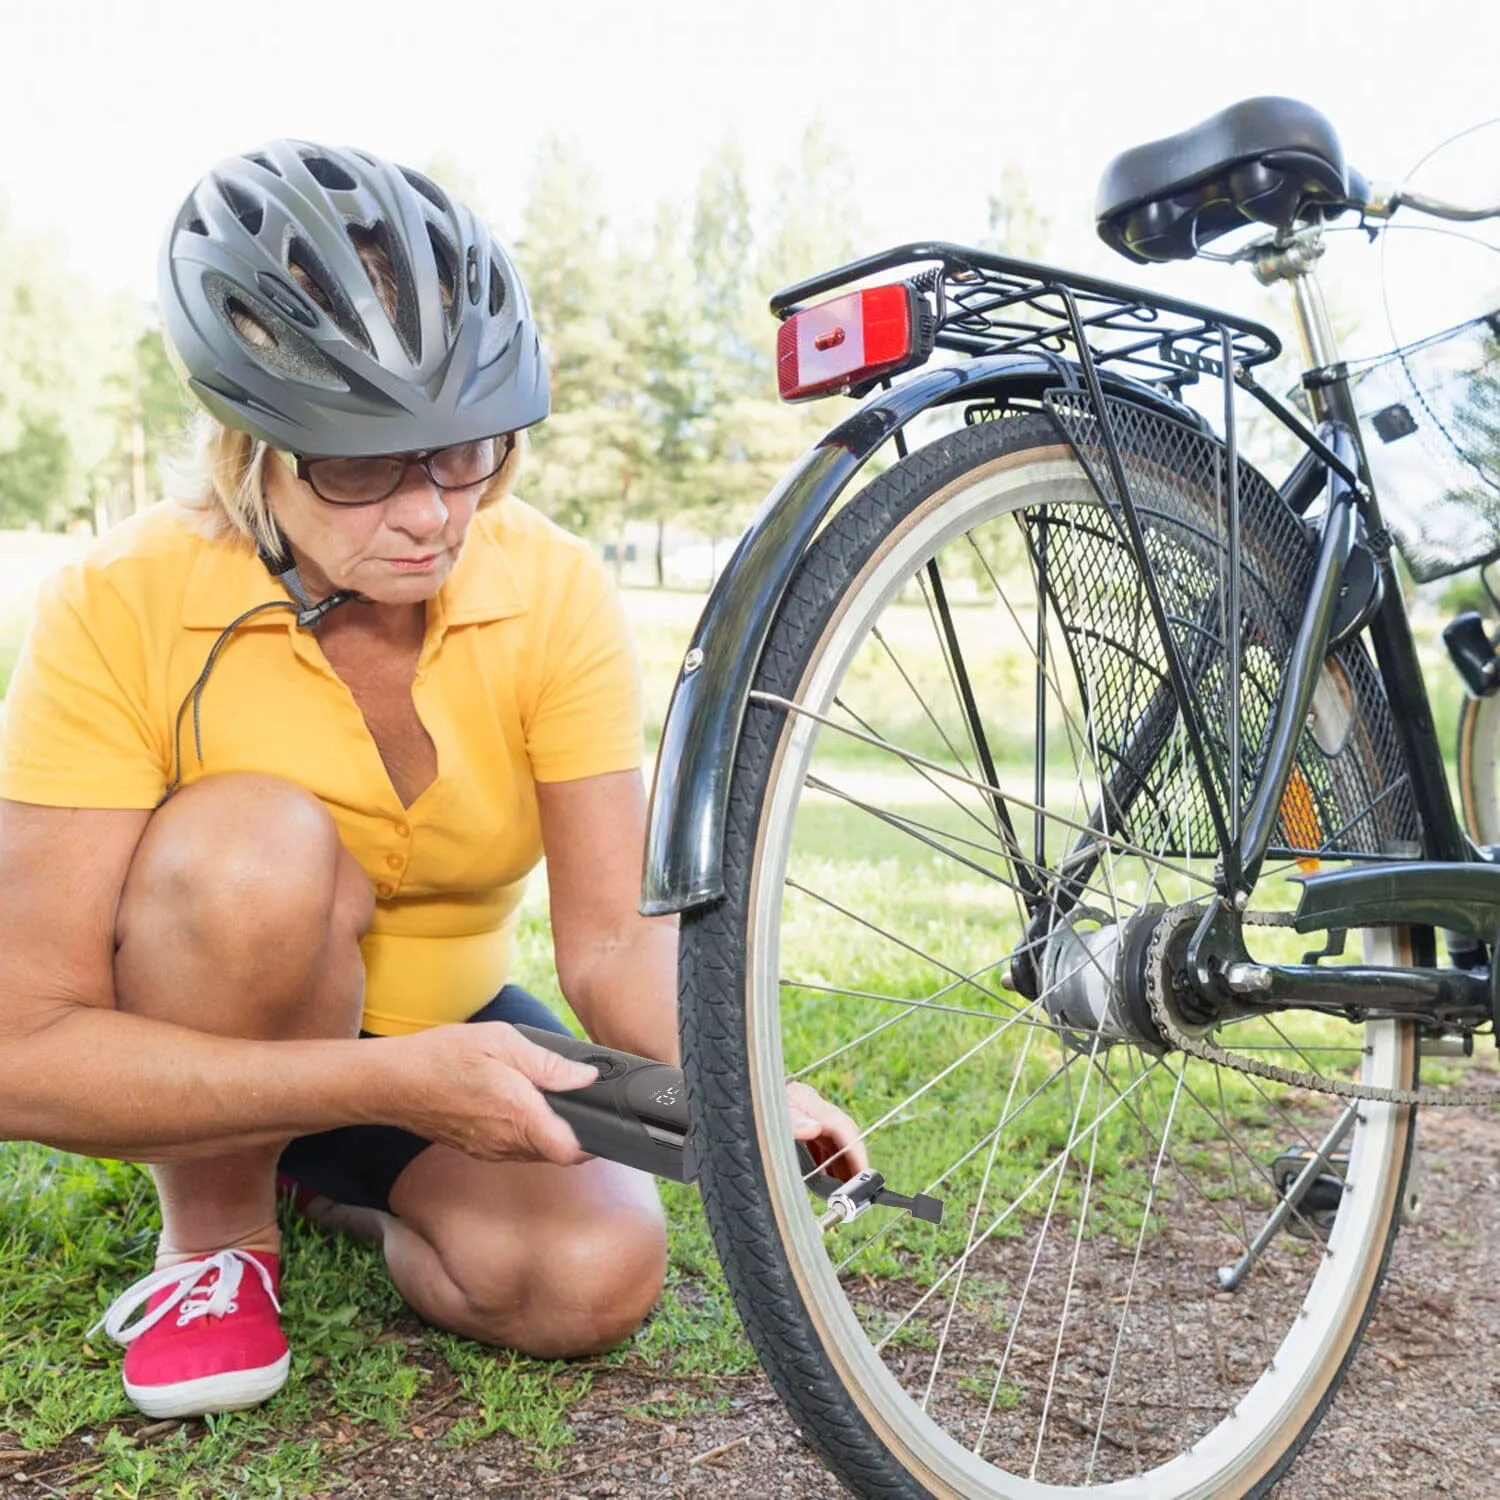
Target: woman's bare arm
x=78 y=1074
x=617 y=968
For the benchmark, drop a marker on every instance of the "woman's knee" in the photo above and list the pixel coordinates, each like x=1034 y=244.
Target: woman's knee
x=577 y=1290
x=232 y=850
x=246 y=873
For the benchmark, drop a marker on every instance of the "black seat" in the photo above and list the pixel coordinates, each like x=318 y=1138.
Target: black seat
x=1268 y=161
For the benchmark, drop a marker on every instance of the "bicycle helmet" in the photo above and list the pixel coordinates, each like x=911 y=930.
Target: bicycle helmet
x=271 y=313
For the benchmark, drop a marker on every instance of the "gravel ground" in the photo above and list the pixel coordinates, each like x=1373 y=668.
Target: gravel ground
x=1417 y=1414
x=1415 y=1418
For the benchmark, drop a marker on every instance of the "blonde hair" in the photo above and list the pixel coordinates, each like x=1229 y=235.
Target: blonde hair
x=218 y=481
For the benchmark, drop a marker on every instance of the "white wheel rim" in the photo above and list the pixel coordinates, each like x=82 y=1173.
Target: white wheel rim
x=1245 y=1444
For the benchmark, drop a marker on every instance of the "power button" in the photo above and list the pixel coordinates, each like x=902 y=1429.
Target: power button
x=609 y=1067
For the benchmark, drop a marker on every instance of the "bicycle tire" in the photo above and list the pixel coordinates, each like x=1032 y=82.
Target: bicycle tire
x=866 y=1427
x=1478 y=758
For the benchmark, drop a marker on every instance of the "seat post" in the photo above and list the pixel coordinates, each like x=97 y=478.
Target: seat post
x=1315 y=334
x=1295 y=261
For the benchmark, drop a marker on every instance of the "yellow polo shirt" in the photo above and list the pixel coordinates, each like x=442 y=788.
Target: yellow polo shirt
x=526 y=675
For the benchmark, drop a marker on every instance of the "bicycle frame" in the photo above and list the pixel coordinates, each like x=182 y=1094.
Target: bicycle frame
x=1327 y=383
x=689 y=801
x=1395 y=892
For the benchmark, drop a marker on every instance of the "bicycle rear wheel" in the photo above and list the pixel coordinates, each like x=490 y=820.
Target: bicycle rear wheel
x=1064 y=1331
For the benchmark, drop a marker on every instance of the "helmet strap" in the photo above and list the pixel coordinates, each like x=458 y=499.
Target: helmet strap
x=281 y=567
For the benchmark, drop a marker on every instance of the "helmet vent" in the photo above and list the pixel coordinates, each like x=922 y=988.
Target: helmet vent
x=270 y=339
x=264 y=162
x=195 y=225
x=248 y=324
x=391 y=277
x=308 y=274
x=497 y=289
x=471 y=274
x=328 y=173
x=247 y=209
x=312 y=276
x=428 y=189
x=446 y=258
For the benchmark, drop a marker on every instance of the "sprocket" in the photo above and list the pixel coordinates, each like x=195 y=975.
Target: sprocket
x=1168 y=989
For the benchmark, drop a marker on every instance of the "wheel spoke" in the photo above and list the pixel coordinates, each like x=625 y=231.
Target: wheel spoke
x=1052 y=1167
x=931 y=1187
x=908 y=1007
x=978 y=1209
x=963 y=756
x=775 y=700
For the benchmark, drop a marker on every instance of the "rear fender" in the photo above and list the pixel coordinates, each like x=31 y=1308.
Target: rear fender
x=690 y=795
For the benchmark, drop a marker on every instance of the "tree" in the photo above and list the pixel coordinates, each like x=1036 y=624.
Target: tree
x=34 y=470
x=65 y=350
x=162 y=404
x=1016 y=224
x=586 y=453
x=723 y=237
x=814 y=223
x=660 y=331
x=748 y=436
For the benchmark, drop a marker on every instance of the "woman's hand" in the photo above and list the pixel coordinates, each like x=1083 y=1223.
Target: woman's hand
x=829 y=1134
x=477 y=1087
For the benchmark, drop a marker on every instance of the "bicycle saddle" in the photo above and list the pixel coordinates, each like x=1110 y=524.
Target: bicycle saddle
x=1268 y=161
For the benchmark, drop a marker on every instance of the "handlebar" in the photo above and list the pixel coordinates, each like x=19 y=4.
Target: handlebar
x=1384 y=201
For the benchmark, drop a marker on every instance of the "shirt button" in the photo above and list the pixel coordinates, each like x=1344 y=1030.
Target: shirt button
x=403 y=831
x=384 y=888
x=395 y=861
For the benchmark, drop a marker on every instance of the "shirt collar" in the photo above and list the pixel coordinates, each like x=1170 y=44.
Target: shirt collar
x=228 y=578
x=482 y=585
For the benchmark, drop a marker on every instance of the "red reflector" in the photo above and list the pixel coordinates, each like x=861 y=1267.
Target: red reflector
x=846 y=342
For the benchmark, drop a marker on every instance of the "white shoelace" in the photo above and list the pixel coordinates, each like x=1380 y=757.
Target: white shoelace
x=188 y=1298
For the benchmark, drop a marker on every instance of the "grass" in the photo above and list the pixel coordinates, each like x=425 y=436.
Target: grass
x=73 y=1232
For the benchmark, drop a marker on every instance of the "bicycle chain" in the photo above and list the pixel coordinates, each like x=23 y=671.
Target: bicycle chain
x=1206 y=1051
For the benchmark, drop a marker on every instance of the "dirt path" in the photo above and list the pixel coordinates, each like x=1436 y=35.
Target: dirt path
x=1419 y=1415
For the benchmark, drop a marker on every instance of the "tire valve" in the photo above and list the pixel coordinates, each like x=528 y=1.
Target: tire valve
x=850 y=1199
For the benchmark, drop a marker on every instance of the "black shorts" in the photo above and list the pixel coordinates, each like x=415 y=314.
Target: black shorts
x=359 y=1164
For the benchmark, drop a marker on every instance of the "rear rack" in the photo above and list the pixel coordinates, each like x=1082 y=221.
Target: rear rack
x=991 y=304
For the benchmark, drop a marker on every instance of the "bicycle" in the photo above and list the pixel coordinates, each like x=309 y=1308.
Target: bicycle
x=1099 y=703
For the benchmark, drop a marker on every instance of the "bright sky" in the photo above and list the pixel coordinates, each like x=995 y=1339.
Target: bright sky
x=110 y=111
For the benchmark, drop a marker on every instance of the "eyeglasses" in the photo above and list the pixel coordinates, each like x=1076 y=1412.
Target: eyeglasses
x=367 y=481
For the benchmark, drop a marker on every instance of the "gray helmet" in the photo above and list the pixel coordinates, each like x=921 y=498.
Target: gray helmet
x=328 y=372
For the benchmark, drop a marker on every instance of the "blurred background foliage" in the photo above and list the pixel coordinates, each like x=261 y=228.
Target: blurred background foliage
x=662 y=351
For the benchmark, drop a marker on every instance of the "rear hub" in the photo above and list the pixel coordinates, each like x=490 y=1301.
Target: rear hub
x=1094 y=979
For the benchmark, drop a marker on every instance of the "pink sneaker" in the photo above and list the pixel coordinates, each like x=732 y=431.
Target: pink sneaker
x=223 y=1350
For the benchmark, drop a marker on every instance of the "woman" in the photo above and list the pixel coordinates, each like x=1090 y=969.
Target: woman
x=275 y=766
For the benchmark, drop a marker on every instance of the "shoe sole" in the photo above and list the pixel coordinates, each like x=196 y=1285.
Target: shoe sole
x=234 y=1390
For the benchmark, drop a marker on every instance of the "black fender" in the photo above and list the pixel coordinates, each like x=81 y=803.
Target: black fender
x=1422 y=893
x=690 y=795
